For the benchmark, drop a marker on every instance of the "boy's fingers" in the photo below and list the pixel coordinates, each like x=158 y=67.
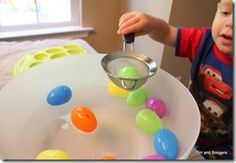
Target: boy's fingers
x=131 y=21
x=126 y=17
x=126 y=14
x=128 y=23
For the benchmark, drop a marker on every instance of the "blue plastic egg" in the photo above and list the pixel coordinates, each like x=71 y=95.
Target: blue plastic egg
x=59 y=95
x=166 y=144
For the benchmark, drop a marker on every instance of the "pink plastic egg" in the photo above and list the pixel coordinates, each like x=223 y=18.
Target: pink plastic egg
x=157 y=105
x=154 y=157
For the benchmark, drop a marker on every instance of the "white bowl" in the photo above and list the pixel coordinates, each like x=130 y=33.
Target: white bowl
x=29 y=125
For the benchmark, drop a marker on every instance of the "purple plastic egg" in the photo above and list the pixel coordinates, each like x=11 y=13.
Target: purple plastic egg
x=157 y=105
x=154 y=157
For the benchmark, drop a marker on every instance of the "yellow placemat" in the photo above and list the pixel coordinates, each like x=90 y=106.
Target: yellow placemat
x=30 y=60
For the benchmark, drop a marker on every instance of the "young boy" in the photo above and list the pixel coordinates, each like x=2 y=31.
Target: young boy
x=211 y=52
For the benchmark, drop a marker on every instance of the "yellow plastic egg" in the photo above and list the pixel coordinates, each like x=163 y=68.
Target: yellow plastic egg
x=114 y=90
x=52 y=154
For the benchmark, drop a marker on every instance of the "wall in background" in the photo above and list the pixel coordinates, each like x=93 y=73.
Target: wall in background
x=103 y=16
x=188 y=13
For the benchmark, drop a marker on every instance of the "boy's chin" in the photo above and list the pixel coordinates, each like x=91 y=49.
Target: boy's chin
x=227 y=51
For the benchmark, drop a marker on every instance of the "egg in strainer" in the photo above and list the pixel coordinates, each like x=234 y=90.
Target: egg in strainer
x=128 y=70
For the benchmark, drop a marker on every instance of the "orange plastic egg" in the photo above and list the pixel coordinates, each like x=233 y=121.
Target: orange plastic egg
x=108 y=157
x=84 y=119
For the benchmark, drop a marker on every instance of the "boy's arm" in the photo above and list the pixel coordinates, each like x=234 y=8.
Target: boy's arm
x=163 y=32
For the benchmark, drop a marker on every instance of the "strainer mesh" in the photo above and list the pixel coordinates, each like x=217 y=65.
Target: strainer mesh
x=116 y=65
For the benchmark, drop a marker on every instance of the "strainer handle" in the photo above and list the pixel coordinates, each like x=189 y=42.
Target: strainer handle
x=129 y=38
x=128 y=42
x=131 y=85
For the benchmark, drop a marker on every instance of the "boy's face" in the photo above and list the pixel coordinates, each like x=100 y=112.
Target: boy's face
x=222 y=27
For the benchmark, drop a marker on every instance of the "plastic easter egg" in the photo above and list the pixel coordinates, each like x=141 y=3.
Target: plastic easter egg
x=129 y=72
x=166 y=144
x=116 y=91
x=84 y=119
x=59 y=95
x=154 y=157
x=156 y=105
x=137 y=97
x=148 y=121
x=108 y=157
x=52 y=154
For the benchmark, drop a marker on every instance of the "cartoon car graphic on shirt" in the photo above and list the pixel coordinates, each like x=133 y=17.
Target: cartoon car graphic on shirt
x=214 y=109
x=214 y=84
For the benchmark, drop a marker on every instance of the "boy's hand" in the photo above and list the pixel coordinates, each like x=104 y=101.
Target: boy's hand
x=141 y=24
x=135 y=22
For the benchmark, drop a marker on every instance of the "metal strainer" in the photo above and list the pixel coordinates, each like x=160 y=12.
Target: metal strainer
x=142 y=67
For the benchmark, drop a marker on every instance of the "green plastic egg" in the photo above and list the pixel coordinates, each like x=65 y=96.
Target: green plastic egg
x=137 y=97
x=129 y=72
x=148 y=121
